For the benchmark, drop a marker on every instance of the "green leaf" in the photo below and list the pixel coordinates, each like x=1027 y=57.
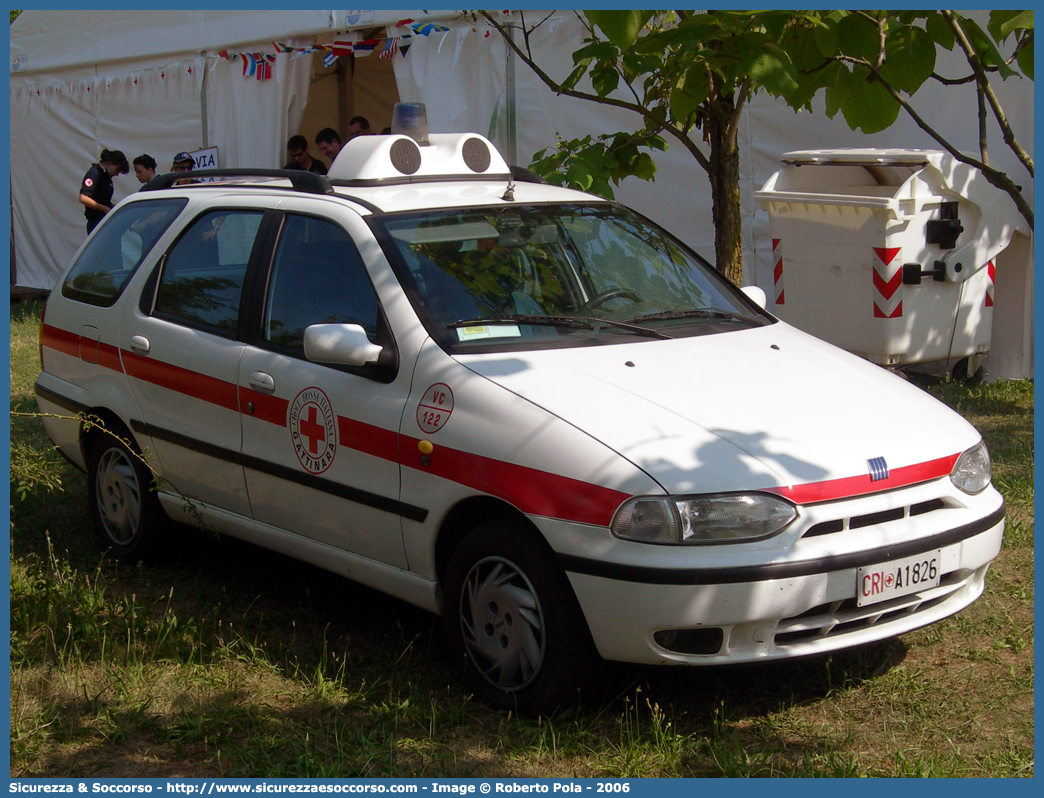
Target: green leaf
x=858 y=37
x=689 y=92
x=660 y=42
x=595 y=51
x=604 y=80
x=868 y=106
x=825 y=38
x=810 y=83
x=579 y=177
x=940 y=31
x=909 y=58
x=803 y=49
x=1025 y=59
x=837 y=81
x=984 y=47
x=769 y=67
x=656 y=143
x=622 y=28
x=1003 y=22
x=643 y=167
x=702 y=28
x=636 y=64
x=574 y=77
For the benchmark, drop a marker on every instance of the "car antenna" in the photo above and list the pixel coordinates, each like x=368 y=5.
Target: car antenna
x=509 y=192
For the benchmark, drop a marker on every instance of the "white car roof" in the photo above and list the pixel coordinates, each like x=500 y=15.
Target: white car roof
x=457 y=194
x=392 y=174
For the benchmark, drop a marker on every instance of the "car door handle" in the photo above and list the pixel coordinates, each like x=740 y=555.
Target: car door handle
x=262 y=382
x=139 y=343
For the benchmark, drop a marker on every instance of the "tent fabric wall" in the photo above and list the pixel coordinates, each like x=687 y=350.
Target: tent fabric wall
x=59 y=128
x=68 y=109
x=150 y=74
x=249 y=121
x=459 y=76
x=58 y=40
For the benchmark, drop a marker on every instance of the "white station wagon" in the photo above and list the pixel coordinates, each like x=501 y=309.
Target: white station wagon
x=522 y=407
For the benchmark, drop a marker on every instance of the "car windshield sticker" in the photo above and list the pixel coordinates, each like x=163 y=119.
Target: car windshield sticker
x=312 y=430
x=435 y=407
x=480 y=331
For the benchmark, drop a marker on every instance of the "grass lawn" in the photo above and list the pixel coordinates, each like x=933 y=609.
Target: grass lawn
x=234 y=661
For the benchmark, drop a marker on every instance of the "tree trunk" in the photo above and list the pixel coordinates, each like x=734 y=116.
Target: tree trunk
x=726 y=210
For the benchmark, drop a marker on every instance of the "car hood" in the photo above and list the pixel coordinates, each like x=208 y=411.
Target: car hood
x=761 y=408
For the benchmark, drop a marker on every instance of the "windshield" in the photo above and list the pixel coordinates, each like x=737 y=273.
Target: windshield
x=554 y=275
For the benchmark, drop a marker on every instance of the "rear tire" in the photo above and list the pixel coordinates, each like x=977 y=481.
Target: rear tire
x=127 y=516
x=511 y=615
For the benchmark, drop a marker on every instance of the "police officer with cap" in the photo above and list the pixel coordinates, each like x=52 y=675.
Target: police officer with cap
x=183 y=162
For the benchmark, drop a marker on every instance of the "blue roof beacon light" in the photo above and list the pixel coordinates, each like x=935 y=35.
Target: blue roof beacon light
x=411 y=119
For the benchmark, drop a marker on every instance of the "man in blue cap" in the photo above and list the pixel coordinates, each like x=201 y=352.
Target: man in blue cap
x=183 y=162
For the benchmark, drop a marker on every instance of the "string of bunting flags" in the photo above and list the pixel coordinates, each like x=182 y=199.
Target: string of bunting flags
x=259 y=65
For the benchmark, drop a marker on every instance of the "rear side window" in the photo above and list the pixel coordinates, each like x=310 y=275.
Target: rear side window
x=202 y=280
x=116 y=250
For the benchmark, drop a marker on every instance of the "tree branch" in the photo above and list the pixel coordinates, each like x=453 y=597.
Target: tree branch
x=984 y=152
x=987 y=90
x=737 y=114
x=649 y=118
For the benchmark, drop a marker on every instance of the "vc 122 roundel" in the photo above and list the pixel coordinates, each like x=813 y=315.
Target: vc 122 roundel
x=435 y=408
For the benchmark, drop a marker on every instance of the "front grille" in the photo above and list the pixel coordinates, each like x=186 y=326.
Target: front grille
x=859 y=521
x=842 y=617
x=870 y=519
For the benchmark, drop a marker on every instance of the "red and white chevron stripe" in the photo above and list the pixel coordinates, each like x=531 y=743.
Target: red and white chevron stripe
x=991 y=274
x=777 y=269
x=888 y=279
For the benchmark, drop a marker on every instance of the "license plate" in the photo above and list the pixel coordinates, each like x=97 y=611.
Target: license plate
x=897 y=578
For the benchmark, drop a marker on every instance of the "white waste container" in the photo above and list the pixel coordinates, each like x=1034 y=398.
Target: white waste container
x=887 y=253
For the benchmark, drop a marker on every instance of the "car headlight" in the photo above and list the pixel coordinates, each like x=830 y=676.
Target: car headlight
x=726 y=518
x=972 y=472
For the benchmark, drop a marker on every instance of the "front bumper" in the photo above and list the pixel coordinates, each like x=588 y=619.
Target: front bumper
x=773 y=610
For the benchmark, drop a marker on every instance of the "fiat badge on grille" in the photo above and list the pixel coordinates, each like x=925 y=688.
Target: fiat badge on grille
x=878 y=469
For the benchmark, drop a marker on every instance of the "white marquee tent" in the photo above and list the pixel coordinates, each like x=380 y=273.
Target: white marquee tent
x=163 y=81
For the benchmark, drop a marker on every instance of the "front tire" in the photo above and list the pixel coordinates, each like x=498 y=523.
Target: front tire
x=511 y=615
x=124 y=508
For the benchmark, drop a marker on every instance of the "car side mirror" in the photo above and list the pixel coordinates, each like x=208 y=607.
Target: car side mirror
x=757 y=295
x=341 y=344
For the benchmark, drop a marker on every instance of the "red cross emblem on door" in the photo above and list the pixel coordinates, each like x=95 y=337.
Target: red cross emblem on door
x=313 y=430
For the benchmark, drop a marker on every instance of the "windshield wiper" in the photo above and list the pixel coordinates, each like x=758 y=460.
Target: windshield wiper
x=699 y=313
x=522 y=318
x=585 y=323
x=635 y=328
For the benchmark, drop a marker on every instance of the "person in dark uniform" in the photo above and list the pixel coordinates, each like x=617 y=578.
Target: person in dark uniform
x=96 y=188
